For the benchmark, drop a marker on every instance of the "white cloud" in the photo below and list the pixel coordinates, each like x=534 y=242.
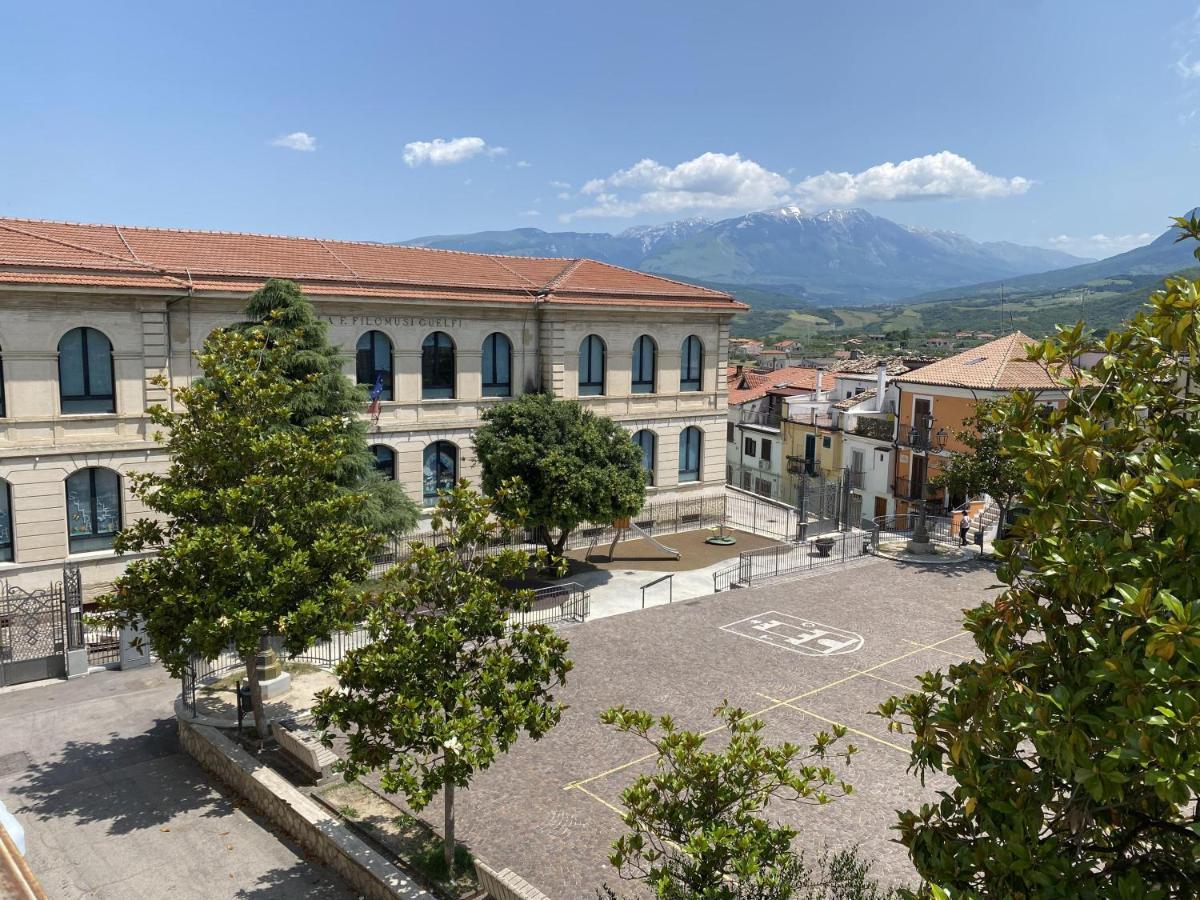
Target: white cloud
x=530 y=213
x=938 y=175
x=441 y=152
x=564 y=195
x=297 y=140
x=561 y=185
x=1100 y=245
x=523 y=164
x=711 y=181
x=1187 y=68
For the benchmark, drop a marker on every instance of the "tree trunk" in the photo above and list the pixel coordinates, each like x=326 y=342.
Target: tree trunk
x=448 y=847
x=256 y=701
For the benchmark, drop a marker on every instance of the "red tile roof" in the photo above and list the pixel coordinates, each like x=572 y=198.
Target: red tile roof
x=999 y=365
x=160 y=259
x=753 y=385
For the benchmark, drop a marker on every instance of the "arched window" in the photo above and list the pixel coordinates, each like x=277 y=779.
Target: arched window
x=440 y=470
x=497 y=365
x=385 y=460
x=437 y=367
x=691 y=364
x=93 y=509
x=645 y=364
x=690 y=440
x=648 y=441
x=6 y=522
x=591 y=366
x=85 y=372
x=373 y=363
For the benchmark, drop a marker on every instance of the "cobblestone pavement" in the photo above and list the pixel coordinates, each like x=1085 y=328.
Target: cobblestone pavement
x=113 y=809
x=549 y=809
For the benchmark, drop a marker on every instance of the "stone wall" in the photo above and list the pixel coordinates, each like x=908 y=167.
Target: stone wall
x=314 y=828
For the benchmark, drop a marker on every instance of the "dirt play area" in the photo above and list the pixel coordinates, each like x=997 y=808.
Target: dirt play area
x=641 y=554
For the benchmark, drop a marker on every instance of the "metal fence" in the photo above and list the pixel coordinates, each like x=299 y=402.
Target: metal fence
x=733 y=508
x=788 y=559
x=556 y=605
x=903 y=526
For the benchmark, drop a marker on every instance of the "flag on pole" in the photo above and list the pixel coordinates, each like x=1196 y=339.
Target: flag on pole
x=376 y=393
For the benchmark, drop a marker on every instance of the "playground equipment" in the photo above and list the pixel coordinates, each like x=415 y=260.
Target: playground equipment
x=721 y=538
x=624 y=524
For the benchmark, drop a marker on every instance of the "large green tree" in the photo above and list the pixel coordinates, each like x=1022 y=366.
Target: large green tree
x=280 y=308
x=697 y=823
x=572 y=465
x=985 y=467
x=255 y=537
x=451 y=677
x=1073 y=739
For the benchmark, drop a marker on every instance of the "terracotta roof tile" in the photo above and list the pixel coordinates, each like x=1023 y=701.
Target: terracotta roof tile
x=999 y=365
x=757 y=384
x=42 y=252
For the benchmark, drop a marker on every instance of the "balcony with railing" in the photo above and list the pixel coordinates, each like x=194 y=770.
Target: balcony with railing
x=916 y=489
x=921 y=436
x=766 y=417
x=802 y=465
x=855 y=478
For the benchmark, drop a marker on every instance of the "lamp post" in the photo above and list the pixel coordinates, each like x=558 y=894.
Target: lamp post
x=921 y=436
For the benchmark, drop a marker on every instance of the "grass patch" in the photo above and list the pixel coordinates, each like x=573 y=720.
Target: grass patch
x=407 y=837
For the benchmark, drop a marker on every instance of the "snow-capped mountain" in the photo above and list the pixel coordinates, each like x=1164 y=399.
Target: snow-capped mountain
x=839 y=255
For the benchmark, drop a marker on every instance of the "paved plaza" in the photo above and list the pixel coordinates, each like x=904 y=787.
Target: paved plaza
x=113 y=809
x=802 y=654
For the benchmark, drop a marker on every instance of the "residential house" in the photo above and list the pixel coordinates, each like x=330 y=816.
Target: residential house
x=934 y=402
x=754 y=444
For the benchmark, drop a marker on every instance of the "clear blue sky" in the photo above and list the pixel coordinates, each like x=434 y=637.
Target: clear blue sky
x=1063 y=120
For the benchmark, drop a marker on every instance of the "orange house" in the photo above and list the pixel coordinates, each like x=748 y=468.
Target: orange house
x=935 y=401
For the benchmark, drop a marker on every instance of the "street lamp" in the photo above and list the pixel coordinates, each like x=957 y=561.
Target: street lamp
x=921 y=436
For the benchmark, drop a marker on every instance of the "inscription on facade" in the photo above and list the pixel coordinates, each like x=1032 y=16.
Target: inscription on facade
x=399 y=321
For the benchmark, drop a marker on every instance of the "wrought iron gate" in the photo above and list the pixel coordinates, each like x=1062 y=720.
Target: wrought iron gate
x=34 y=633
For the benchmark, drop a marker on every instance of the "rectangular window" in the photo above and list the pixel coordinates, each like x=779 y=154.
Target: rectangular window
x=857 y=461
x=766 y=450
x=746 y=480
x=826 y=442
x=750 y=447
x=729 y=432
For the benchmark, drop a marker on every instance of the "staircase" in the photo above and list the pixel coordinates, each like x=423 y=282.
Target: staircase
x=988 y=517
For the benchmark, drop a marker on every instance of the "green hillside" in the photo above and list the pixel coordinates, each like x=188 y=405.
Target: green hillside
x=1103 y=303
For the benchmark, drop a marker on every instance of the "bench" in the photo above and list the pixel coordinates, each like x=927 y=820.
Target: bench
x=300 y=743
x=505 y=884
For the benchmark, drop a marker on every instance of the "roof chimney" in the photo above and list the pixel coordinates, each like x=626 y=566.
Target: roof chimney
x=738 y=370
x=818 y=392
x=880 y=382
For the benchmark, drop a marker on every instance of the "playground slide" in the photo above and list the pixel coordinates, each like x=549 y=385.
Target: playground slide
x=642 y=533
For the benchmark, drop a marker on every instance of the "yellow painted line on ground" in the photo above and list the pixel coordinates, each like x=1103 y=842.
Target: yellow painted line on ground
x=907 y=688
x=937 y=649
x=850 y=728
x=599 y=799
x=775 y=705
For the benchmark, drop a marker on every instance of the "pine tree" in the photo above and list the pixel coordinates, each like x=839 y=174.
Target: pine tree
x=279 y=307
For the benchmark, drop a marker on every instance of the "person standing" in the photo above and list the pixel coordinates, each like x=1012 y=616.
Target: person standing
x=964 y=526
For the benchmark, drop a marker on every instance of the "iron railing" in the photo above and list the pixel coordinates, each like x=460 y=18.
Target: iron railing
x=669 y=578
x=916 y=489
x=761 y=418
x=790 y=559
x=555 y=605
x=903 y=526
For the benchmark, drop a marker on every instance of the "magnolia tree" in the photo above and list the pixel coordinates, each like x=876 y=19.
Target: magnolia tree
x=697 y=823
x=450 y=679
x=572 y=465
x=256 y=535
x=1073 y=739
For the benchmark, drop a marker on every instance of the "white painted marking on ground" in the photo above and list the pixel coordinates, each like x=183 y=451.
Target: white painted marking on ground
x=802 y=636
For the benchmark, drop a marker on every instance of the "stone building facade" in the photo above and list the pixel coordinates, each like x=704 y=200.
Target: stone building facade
x=89 y=315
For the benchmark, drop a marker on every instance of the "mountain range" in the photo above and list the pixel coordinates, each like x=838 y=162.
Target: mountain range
x=780 y=256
